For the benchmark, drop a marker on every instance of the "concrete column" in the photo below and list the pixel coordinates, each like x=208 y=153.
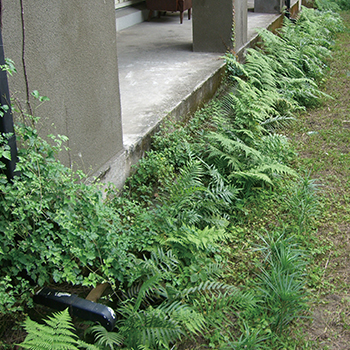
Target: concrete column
x=214 y=23
x=241 y=23
x=71 y=57
x=268 y=6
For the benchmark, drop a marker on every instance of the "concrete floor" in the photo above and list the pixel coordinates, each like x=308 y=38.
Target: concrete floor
x=158 y=71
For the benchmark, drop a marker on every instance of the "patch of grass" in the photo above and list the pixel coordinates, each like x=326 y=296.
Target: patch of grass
x=322 y=138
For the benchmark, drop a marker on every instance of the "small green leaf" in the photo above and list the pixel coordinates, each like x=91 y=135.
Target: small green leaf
x=35 y=93
x=6 y=155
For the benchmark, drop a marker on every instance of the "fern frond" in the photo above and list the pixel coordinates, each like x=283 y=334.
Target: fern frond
x=56 y=334
x=205 y=287
x=165 y=261
x=151 y=327
x=221 y=302
x=146 y=287
x=196 y=239
x=251 y=178
x=104 y=338
x=231 y=150
x=193 y=321
x=275 y=168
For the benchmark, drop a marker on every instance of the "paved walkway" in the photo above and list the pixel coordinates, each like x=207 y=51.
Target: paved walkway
x=158 y=70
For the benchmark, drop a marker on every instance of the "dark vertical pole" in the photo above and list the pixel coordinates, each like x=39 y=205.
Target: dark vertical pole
x=6 y=121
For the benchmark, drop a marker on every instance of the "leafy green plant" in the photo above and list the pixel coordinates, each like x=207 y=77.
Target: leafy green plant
x=53 y=226
x=249 y=339
x=243 y=165
x=56 y=334
x=151 y=176
x=199 y=195
x=326 y=5
x=164 y=239
x=156 y=326
x=303 y=203
x=282 y=280
x=105 y=339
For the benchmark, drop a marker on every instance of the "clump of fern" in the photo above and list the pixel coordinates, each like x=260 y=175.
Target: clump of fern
x=199 y=195
x=57 y=333
x=243 y=165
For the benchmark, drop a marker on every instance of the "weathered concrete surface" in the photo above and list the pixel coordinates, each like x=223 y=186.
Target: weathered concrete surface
x=241 y=23
x=71 y=56
x=213 y=25
x=161 y=75
x=268 y=6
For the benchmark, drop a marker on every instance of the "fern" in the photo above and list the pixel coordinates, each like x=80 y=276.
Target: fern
x=262 y=173
x=105 y=339
x=146 y=287
x=276 y=147
x=243 y=164
x=56 y=334
x=199 y=196
x=152 y=327
x=235 y=154
x=195 y=239
x=191 y=320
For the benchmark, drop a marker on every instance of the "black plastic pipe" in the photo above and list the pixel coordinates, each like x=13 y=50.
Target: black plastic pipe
x=6 y=121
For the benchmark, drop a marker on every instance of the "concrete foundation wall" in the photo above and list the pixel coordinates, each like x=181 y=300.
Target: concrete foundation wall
x=71 y=57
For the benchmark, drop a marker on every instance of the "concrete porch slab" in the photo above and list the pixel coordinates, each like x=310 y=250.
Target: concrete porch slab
x=160 y=74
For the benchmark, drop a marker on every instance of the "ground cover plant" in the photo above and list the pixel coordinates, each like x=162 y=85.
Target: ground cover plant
x=211 y=243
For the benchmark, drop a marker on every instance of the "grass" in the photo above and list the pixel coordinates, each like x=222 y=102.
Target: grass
x=322 y=138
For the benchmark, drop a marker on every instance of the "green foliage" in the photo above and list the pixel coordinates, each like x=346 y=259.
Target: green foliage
x=303 y=203
x=157 y=327
x=243 y=165
x=343 y=4
x=327 y=5
x=56 y=334
x=199 y=195
x=5 y=150
x=151 y=176
x=248 y=340
x=53 y=226
x=105 y=339
x=282 y=280
x=9 y=66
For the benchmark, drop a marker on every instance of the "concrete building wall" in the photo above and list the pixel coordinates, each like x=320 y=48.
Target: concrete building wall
x=71 y=57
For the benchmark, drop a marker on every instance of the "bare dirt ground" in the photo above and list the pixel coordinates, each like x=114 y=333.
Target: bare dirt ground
x=323 y=143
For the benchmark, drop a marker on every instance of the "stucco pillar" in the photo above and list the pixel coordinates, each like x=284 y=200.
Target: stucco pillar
x=241 y=23
x=214 y=23
x=268 y=6
x=71 y=57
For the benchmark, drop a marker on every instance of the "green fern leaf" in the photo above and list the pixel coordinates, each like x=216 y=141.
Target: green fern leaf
x=56 y=334
x=145 y=288
x=105 y=338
